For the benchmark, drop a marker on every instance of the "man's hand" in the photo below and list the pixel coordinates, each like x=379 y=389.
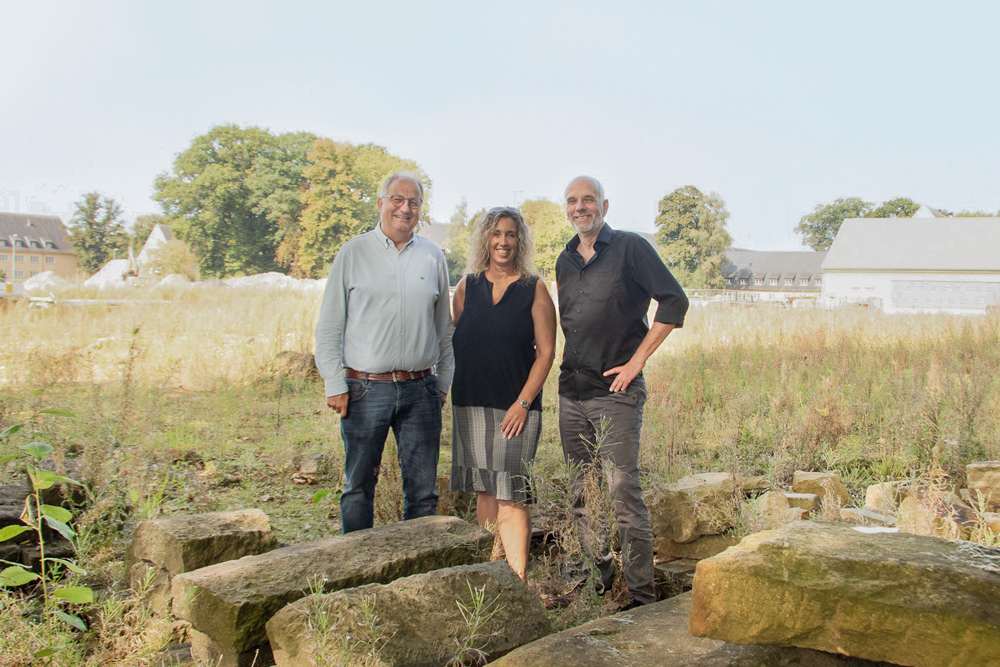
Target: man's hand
x=444 y=399
x=338 y=403
x=625 y=375
x=513 y=421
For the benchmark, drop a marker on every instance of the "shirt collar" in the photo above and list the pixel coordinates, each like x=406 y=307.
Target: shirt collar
x=386 y=242
x=603 y=238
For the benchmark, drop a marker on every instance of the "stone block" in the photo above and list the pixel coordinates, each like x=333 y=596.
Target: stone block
x=885 y=496
x=866 y=516
x=773 y=503
x=824 y=484
x=656 y=635
x=184 y=543
x=705 y=546
x=206 y=652
x=938 y=515
x=753 y=485
x=316 y=464
x=231 y=601
x=418 y=618
x=984 y=481
x=806 y=501
x=674 y=577
x=691 y=507
x=906 y=599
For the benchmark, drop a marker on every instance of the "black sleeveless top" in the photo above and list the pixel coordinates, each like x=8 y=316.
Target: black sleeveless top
x=494 y=345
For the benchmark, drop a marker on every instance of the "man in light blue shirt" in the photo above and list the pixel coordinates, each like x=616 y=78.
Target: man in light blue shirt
x=383 y=347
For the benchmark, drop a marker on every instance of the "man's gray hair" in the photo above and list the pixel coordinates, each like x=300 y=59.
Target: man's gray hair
x=596 y=183
x=402 y=173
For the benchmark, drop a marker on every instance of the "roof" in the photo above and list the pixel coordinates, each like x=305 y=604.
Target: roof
x=773 y=262
x=916 y=244
x=47 y=230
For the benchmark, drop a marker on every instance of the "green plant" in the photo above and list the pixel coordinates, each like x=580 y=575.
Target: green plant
x=38 y=515
x=476 y=614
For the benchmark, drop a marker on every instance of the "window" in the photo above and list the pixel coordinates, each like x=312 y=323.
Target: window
x=789 y=282
x=18 y=273
x=33 y=259
x=758 y=281
x=729 y=281
x=18 y=258
x=743 y=281
x=773 y=281
x=3 y=257
x=49 y=259
x=33 y=273
x=36 y=244
x=803 y=281
x=50 y=244
x=819 y=281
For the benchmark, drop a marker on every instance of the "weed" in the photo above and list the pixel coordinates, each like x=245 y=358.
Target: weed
x=475 y=615
x=39 y=516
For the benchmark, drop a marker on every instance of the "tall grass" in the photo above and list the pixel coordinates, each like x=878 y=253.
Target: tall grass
x=180 y=407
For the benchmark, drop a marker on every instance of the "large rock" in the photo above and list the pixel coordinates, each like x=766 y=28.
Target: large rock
x=164 y=548
x=691 y=507
x=230 y=602
x=418 y=618
x=656 y=635
x=826 y=485
x=705 y=546
x=907 y=599
x=938 y=514
x=984 y=481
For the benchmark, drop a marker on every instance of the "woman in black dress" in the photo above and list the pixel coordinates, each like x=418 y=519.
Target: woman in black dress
x=505 y=332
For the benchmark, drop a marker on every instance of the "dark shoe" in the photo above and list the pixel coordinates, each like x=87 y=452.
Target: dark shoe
x=566 y=599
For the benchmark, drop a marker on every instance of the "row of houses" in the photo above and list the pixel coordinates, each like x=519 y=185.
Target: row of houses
x=930 y=262
x=927 y=263
x=32 y=244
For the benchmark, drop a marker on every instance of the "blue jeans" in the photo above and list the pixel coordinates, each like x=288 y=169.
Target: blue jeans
x=412 y=409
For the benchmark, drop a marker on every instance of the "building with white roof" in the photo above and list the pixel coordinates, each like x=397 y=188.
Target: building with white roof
x=919 y=264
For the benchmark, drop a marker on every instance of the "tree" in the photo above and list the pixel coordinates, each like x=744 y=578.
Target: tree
x=459 y=235
x=234 y=195
x=691 y=233
x=173 y=258
x=550 y=232
x=343 y=181
x=900 y=207
x=97 y=231
x=819 y=228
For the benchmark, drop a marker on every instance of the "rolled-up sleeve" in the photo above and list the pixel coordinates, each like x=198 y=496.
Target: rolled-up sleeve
x=330 y=328
x=649 y=271
x=443 y=324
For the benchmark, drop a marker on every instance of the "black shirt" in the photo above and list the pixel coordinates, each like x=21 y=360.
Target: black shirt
x=603 y=306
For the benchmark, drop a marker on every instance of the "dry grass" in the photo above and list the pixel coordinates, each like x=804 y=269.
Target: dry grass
x=180 y=409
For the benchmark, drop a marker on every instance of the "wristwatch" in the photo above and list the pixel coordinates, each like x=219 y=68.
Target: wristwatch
x=524 y=403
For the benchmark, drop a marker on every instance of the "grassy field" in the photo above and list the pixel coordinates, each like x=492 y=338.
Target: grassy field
x=180 y=407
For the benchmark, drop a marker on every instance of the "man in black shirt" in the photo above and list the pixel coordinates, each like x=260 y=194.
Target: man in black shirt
x=606 y=279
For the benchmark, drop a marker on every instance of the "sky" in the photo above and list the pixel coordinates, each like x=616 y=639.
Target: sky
x=776 y=106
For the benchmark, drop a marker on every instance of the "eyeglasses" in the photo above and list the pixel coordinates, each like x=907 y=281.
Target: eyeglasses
x=398 y=200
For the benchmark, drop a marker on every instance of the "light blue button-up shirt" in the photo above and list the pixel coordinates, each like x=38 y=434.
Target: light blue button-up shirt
x=385 y=310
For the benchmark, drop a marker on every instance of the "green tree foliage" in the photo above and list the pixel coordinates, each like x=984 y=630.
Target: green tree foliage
x=173 y=257
x=900 y=207
x=234 y=195
x=343 y=181
x=97 y=231
x=819 y=228
x=550 y=230
x=691 y=233
x=457 y=243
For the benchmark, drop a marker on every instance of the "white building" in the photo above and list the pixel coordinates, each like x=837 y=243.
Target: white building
x=918 y=264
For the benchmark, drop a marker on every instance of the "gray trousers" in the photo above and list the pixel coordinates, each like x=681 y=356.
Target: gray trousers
x=616 y=457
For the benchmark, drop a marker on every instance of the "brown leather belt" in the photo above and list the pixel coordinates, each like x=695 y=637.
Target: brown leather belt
x=394 y=376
